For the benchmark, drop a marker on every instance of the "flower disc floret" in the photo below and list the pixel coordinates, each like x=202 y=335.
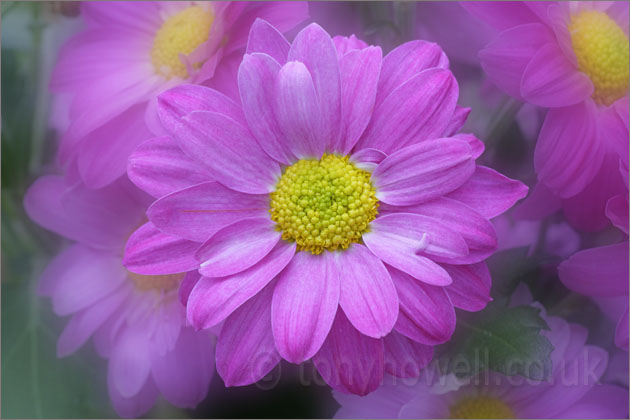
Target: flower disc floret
x=182 y=33
x=601 y=48
x=324 y=204
x=481 y=407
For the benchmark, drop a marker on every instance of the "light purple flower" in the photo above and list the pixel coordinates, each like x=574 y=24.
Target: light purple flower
x=571 y=57
x=130 y=52
x=384 y=129
x=137 y=322
x=571 y=391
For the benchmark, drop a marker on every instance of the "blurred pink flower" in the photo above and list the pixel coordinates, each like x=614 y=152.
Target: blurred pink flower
x=571 y=57
x=137 y=322
x=571 y=391
x=340 y=181
x=130 y=52
x=603 y=272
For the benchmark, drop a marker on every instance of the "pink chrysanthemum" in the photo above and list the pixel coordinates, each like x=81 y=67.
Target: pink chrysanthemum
x=340 y=217
x=130 y=52
x=603 y=272
x=571 y=57
x=571 y=391
x=136 y=321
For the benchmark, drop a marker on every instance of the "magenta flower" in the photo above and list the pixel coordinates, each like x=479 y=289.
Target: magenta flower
x=572 y=390
x=339 y=183
x=571 y=57
x=136 y=321
x=603 y=272
x=130 y=52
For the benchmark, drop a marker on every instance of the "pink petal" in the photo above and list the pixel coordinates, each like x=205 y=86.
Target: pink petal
x=152 y=252
x=257 y=89
x=367 y=159
x=368 y=296
x=423 y=171
x=599 y=271
x=501 y=15
x=475 y=144
x=397 y=238
x=186 y=286
x=198 y=212
x=159 y=167
x=404 y=358
x=314 y=48
x=470 y=289
x=245 y=350
x=136 y=405
x=569 y=152
x=505 y=59
x=129 y=364
x=419 y=109
x=360 y=70
x=213 y=299
x=404 y=62
x=183 y=375
x=617 y=212
x=237 y=247
x=228 y=150
x=304 y=304
x=426 y=312
x=460 y=115
x=345 y=44
x=143 y=17
x=489 y=193
x=264 y=38
x=298 y=111
x=621 y=332
x=550 y=80
x=349 y=361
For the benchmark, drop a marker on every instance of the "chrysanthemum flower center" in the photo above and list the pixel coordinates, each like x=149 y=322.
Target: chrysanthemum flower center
x=324 y=204
x=182 y=33
x=481 y=407
x=164 y=283
x=601 y=48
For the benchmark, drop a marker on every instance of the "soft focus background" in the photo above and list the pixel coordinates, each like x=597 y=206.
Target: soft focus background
x=37 y=384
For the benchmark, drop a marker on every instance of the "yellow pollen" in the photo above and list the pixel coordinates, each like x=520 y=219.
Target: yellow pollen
x=182 y=33
x=324 y=204
x=164 y=283
x=481 y=407
x=601 y=48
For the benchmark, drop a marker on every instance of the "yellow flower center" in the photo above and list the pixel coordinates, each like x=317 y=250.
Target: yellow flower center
x=324 y=204
x=182 y=33
x=601 y=48
x=481 y=407
x=164 y=283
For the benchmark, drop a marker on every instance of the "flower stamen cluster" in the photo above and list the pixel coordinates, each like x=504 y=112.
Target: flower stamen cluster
x=481 y=407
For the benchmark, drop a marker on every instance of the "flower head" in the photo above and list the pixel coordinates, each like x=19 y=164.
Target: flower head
x=341 y=217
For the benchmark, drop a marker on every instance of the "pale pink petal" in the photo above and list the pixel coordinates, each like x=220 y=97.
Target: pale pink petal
x=550 y=80
x=314 y=48
x=298 y=112
x=183 y=375
x=470 y=289
x=404 y=62
x=345 y=44
x=129 y=364
x=405 y=358
x=368 y=296
x=617 y=211
x=245 y=350
x=423 y=171
x=304 y=305
x=350 y=361
x=56 y=268
x=198 y=212
x=621 y=333
x=419 y=109
x=237 y=247
x=367 y=159
x=152 y=252
x=264 y=38
x=501 y=15
x=426 y=312
x=228 y=150
x=505 y=59
x=159 y=167
x=136 y=405
x=360 y=70
x=256 y=76
x=143 y=17
x=213 y=299
x=569 y=151
x=599 y=271
x=489 y=193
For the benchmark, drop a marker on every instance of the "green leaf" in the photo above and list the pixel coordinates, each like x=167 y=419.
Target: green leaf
x=507 y=340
